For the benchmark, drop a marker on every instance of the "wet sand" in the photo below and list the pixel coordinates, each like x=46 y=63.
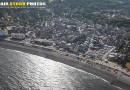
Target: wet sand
x=123 y=82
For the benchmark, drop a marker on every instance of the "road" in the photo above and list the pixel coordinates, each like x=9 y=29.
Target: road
x=105 y=55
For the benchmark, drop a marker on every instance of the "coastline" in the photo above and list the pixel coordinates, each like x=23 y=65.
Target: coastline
x=123 y=82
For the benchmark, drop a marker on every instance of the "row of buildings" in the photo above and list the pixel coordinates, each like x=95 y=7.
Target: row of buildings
x=18 y=36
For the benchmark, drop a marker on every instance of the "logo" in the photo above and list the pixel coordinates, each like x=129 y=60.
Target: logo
x=22 y=4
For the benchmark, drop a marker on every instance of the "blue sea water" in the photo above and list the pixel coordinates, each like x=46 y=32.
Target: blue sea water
x=23 y=71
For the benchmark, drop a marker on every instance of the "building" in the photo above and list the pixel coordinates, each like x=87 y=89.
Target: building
x=3 y=33
x=11 y=29
x=112 y=56
x=94 y=47
x=31 y=34
x=117 y=57
x=18 y=36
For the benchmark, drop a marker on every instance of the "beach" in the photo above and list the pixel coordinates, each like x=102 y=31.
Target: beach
x=123 y=82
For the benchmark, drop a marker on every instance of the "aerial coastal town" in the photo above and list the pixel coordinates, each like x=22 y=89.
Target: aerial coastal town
x=101 y=45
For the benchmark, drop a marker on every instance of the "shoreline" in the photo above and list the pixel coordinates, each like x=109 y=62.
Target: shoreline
x=123 y=82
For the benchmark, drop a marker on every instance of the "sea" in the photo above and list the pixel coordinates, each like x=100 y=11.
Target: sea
x=23 y=71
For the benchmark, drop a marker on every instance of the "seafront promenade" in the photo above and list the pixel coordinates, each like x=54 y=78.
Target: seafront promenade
x=94 y=67
x=110 y=66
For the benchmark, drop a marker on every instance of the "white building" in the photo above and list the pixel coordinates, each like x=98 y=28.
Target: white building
x=3 y=32
x=31 y=34
x=17 y=36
